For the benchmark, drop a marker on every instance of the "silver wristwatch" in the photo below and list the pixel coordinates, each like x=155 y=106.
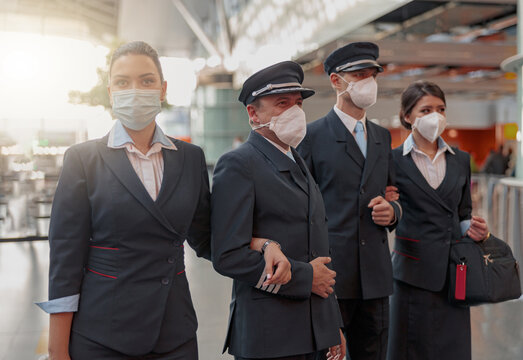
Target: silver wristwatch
x=265 y=244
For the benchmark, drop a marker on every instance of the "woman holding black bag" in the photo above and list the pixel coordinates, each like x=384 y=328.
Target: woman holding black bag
x=433 y=180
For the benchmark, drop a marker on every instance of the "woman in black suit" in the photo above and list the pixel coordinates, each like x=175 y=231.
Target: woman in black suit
x=123 y=208
x=433 y=180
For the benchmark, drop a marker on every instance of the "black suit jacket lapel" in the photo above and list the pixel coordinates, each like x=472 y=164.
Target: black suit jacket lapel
x=299 y=177
x=451 y=174
x=311 y=183
x=411 y=170
x=342 y=135
x=374 y=149
x=307 y=177
x=118 y=162
x=279 y=159
x=173 y=163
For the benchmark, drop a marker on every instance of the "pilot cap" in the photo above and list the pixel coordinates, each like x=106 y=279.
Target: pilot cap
x=280 y=78
x=351 y=57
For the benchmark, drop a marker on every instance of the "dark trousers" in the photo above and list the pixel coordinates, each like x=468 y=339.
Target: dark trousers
x=295 y=357
x=366 y=327
x=81 y=348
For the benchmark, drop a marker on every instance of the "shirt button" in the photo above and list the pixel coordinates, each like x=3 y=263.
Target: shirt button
x=314 y=253
x=170 y=260
x=165 y=281
x=362 y=242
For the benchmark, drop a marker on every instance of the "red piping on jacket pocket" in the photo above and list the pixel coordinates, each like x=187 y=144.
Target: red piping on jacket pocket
x=181 y=272
x=402 y=254
x=406 y=238
x=103 y=248
x=98 y=273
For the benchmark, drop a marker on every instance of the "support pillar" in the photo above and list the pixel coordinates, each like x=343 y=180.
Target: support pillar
x=217 y=117
x=514 y=64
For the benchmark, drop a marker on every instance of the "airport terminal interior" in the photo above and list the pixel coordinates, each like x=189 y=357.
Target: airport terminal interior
x=54 y=63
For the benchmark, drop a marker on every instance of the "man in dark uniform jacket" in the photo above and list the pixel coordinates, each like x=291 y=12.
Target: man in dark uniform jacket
x=349 y=157
x=263 y=189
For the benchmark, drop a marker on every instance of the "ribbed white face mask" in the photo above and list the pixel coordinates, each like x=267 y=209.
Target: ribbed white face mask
x=430 y=126
x=136 y=108
x=363 y=93
x=290 y=126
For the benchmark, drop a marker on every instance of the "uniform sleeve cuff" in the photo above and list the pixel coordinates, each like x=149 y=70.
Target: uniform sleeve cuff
x=464 y=225
x=399 y=215
x=273 y=288
x=60 y=305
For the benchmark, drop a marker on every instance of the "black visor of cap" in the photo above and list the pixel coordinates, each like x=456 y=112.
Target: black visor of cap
x=362 y=66
x=305 y=92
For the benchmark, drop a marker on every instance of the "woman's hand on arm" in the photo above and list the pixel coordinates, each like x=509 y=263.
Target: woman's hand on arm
x=274 y=258
x=59 y=333
x=391 y=193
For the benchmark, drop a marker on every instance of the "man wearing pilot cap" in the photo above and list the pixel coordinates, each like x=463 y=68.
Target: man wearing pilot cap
x=350 y=159
x=263 y=199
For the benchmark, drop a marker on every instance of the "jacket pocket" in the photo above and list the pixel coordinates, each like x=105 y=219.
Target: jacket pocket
x=102 y=261
x=407 y=247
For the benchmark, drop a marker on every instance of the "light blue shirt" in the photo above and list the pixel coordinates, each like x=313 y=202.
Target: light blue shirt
x=118 y=137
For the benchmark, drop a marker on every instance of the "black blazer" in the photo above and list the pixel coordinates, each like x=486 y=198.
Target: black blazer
x=348 y=182
x=259 y=191
x=122 y=251
x=431 y=219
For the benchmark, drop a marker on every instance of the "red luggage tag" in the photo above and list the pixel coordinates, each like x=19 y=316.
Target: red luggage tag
x=461 y=281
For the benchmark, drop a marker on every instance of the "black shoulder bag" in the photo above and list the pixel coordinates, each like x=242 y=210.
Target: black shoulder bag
x=482 y=272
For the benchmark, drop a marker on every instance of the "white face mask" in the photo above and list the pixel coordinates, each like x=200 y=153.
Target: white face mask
x=136 y=108
x=430 y=126
x=290 y=126
x=363 y=93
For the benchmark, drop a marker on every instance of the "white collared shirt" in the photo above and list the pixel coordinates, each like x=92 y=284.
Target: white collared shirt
x=433 y=170
x=148 y=167
x=350 y=122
